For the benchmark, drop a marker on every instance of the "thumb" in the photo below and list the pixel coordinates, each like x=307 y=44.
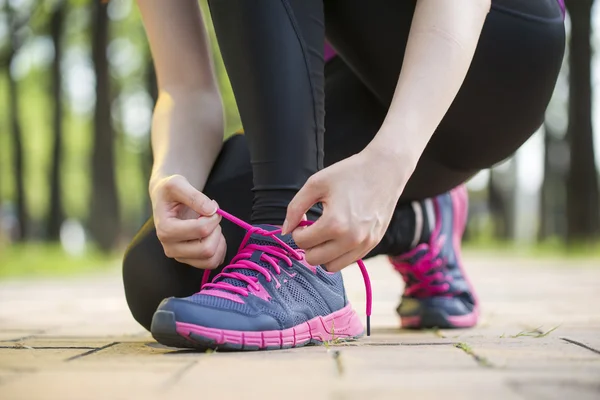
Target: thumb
x=310 y=194
x=182 y=191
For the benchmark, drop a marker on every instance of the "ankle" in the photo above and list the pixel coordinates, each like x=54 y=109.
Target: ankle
x=411 y=225
x=424 y=217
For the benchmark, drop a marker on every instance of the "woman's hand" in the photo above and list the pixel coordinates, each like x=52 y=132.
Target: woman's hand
x=359 y=195
x=187 y=224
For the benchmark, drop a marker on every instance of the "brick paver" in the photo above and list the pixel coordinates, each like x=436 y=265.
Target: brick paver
x=74 y=339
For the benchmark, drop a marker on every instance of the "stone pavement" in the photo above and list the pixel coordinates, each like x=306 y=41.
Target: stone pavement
x=74 y=339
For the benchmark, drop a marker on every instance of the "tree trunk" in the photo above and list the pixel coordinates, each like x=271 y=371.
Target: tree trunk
x=544 y=227
x=147 y=158
x=583 y=216
x=104 y=208
x=15 y=130
x=18 y=157
x=501 y=202
x=552 y=196
x=56 y=213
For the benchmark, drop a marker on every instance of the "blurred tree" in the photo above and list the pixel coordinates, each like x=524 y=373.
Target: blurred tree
x=583 y=213
x=552 y=196
x=56 y=213
x=16 y=38
x=104 y=209
x=147 y=158
x=501 y=200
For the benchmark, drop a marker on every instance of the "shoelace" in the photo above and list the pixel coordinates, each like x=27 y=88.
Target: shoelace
x=427 y=270
x=271 y=255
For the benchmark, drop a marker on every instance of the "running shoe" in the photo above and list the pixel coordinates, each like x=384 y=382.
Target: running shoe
x=437 y=291
x=268 y=297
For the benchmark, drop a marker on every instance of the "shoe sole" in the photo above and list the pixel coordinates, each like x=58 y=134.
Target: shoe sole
x=437 y=318
x=342 y=325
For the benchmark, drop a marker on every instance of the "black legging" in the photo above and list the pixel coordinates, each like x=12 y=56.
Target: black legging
x=273 y=51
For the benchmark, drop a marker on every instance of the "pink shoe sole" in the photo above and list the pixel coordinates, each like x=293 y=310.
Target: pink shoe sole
x=341 y=325
x=435 y=318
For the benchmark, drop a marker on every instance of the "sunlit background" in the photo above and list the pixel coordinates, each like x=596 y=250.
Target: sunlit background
x=77 y=88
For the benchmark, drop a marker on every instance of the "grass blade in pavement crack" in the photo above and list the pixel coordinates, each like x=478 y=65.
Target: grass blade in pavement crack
x=481 y=361
x=534 y=333
x=436 y=331
x=337 y=357
x=20 y=345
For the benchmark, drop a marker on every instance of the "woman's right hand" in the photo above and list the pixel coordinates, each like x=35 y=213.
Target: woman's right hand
x=187 y=224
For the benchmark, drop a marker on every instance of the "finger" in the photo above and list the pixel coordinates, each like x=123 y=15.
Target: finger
x=179 y=189
x=343 y=261
x=310 y=194
x=195 y=249
x=307 y=237
x=211 y=263
x=326 y=252
x=219 y=257
x=177 y=230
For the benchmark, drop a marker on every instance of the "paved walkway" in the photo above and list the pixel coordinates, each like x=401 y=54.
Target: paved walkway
x=74 y=339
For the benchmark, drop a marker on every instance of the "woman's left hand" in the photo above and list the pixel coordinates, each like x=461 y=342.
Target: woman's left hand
x=359 y=195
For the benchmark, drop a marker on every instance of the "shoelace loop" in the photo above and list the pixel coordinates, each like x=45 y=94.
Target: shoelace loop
x=271 y=255
x=427 y=270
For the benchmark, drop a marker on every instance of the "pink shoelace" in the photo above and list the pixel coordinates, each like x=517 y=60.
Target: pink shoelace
x=271 y=255
x=427 y=270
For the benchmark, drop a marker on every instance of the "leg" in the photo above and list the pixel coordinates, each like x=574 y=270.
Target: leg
x=273 y=52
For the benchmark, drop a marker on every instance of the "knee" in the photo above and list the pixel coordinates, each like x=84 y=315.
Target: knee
x=149 y=276
x=134 y=293
x=135 y=279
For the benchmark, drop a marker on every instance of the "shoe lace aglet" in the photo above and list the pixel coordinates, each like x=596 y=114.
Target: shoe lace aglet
x=368 y=325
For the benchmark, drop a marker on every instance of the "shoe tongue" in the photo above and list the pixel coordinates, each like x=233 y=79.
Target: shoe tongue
x=263 y=240
x=412 y=258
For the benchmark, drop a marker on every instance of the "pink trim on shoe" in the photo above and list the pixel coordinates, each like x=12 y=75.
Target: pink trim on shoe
x=221 y=294
x=460 y=207
x=457 y=321
x=342 y=324
x=259 y=291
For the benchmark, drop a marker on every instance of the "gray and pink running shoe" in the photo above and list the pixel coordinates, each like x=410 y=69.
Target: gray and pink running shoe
x=268 y=297
x=437 y=291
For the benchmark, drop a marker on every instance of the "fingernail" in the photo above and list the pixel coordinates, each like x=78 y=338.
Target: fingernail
x=284 y=228
x=214 y=203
